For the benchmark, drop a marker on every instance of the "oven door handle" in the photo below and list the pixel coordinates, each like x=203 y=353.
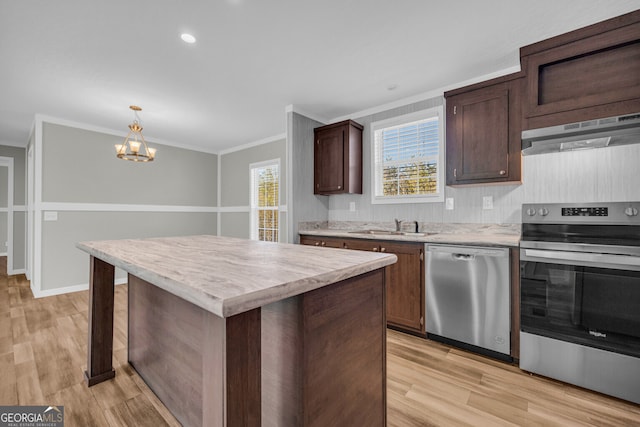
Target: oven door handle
x=587 y=259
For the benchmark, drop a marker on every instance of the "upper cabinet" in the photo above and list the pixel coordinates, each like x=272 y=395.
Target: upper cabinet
x=590 y=73
x=338 y=158
x=582 y=75
x=484 y=123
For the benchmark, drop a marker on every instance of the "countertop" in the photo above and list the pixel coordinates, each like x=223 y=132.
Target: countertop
x=228 y=276
x=462 y=238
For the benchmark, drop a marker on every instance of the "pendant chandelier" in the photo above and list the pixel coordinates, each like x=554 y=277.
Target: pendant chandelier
x=134 y=147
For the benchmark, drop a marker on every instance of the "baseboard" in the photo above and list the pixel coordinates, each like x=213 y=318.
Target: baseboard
x=68 y=289
x=16 y=272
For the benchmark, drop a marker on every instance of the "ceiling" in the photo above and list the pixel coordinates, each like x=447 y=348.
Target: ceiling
x=87 y=61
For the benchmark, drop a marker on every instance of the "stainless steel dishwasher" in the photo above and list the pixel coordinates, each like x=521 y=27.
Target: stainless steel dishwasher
x=468 y=297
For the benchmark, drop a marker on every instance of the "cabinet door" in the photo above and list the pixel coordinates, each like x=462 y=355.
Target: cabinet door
x=586 y=74
x=362 y=245
x=404 y=285
x=329 y=161
x=322 y=241
x=478 y=141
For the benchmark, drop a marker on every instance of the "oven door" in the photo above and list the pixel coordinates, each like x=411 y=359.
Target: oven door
x=592 y=299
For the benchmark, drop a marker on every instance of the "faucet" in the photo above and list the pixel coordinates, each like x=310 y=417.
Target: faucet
x=398 y=224
x=417 y=226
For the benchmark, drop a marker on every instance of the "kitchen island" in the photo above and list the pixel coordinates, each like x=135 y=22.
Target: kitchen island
x=233 y=332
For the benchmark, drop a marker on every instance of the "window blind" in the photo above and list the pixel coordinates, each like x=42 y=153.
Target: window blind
x=265 y=200
x=406 y=159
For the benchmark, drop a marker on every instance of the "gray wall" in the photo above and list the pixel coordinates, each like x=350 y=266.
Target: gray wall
x=4 y=193
x=63 y=264
x=19 y=240
x=80 y=166
x=235 y=188
x=4 y=196
x=234 y=172
x=304 y=206
x=3 y=232
x=19 y=201
x=80 y=169
x=582 y=176
x=235 y=224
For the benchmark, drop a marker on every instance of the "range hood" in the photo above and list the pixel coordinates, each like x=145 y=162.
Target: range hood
x=598 y=133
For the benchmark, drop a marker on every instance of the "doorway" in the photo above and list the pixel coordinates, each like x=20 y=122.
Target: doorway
x=6 y=212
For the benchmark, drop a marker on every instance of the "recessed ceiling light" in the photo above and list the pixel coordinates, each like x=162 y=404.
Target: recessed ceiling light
x=188 y=38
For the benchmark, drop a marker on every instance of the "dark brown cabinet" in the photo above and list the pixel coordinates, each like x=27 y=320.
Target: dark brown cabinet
x=484 y=124
x=590 y=73
x=338 y=158
x=404 y=279
x=405 y=286
x=329 y=242
x=582 y=75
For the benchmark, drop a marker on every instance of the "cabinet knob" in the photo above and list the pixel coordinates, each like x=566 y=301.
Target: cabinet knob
x=339 y=187
x=631 y=211
x=324 y=243
x=383 y=249
x=375 y=249
x=317 y=243
x=503 y=172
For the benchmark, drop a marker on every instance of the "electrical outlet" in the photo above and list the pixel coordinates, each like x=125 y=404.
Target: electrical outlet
x=50 y=216
x=448 y=203
x=352 y=206
x=487 y=202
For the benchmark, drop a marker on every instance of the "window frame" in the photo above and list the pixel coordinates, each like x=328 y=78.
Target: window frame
x=253 y=208
x=432 y=112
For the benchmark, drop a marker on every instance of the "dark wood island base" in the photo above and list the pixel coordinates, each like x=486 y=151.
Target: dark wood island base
x=100 y=350
x=314 y=359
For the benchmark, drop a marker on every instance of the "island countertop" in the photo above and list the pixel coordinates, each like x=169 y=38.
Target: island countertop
x=227 y=276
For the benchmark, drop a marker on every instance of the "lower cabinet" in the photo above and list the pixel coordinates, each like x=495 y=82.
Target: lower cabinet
x=404 y=279
x=405 y=282
x=329 y=242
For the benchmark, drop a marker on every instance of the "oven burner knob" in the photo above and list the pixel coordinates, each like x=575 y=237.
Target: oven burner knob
x=531 y=211
x=543 y=211
x=631 y=211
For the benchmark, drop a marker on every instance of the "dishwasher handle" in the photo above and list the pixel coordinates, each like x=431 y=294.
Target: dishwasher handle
x=467 y=252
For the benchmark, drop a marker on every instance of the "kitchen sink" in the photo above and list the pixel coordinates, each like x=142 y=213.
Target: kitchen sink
x=375 y=232
x=387 y=233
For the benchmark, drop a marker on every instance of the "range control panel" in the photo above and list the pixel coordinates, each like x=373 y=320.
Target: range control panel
x=582 y=213
x=585 y=211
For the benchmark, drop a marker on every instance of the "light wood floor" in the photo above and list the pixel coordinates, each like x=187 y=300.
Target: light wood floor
x=43 y=357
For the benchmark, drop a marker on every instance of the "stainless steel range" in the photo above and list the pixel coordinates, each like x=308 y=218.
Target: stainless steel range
x=580 y=295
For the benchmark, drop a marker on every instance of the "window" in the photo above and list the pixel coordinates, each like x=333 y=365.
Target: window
x=265 y=200
x=408 y=158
